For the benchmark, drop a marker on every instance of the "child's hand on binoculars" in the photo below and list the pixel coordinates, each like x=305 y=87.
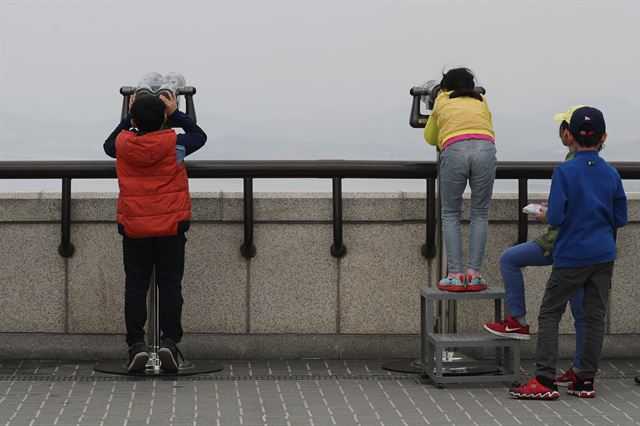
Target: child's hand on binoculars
x=170 y=103
x=132 y=99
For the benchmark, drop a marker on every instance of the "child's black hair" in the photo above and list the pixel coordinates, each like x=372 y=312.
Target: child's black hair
x=148 y=113
x=563 y=126
x=461 y=82
x=587 y=141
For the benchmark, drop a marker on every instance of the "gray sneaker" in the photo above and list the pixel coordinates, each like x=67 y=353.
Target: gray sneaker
x=169 y=355
x=138 y=357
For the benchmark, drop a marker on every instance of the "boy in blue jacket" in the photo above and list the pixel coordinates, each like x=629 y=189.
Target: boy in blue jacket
x=587 y=201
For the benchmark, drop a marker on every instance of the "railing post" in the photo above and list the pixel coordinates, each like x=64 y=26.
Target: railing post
x=66 y=249
x=429 y=248
x=338 y=249
x=248 y=249
x=523 y=200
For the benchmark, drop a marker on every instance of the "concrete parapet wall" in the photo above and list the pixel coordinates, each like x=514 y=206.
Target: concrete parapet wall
x=292 y=300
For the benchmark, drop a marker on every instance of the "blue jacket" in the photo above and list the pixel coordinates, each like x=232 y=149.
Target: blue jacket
x=588 y=201
x=192 y=140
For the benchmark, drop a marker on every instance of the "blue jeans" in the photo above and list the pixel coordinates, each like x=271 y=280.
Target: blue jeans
x=531 y=254
x=472 y=160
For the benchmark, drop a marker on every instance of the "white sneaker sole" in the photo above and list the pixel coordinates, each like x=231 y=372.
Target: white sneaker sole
x=508 y=335
x=582 y=394
x=139 y=362
x=167 y=361
x=549 y=395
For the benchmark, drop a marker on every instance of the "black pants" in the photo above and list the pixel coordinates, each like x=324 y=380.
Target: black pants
x=562 y=286
x=140 y=256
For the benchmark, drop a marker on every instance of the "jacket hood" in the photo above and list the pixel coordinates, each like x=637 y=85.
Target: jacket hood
x=145 y=150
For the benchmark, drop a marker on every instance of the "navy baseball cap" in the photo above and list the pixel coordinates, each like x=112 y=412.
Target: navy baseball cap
x=587 y=121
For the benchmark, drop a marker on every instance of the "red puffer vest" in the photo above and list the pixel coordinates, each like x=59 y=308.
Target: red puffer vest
x=154 y=188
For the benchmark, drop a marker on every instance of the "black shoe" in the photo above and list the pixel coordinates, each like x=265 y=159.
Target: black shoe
x=637 y=379
x=168 y=355
x=138 y=357
x=582 y=388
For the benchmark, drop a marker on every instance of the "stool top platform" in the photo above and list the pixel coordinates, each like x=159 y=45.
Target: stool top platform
x=433 y=293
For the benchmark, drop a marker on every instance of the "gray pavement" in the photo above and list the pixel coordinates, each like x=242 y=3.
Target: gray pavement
x=295 y=392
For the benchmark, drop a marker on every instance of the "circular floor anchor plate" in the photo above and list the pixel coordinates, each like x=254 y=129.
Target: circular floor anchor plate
x=188 y=369
x=404 y=366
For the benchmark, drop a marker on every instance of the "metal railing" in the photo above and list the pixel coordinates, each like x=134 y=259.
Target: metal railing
x=336 y=170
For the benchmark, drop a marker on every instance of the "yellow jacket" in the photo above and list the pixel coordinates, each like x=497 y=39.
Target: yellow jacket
x=458 y=116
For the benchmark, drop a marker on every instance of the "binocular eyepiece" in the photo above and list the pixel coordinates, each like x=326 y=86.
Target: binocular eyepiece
x=427 y=93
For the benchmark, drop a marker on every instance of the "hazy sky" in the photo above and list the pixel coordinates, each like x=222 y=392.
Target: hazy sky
x=313 y=79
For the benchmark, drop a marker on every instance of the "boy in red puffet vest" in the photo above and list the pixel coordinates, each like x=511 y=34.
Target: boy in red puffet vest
x=154 y=209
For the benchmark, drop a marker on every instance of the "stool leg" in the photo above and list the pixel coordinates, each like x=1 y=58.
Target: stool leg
x=508 y=362
x=424 y=331
x=431 y=359
x=498 y=317
x=516 y=360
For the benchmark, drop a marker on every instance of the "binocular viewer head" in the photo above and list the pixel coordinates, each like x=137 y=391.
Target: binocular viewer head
x=130 y=90
x=155 y=84
x=427 y=94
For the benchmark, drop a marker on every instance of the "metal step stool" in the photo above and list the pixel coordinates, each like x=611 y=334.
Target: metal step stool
x=434 y=346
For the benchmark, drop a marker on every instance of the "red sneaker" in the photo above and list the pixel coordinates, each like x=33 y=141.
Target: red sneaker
x=582 y=388
x=534 y=390
x=455 y=283
x=567 y=378
x=508 y=327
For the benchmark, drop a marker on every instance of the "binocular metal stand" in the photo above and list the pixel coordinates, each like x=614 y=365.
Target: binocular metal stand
x=153 y=366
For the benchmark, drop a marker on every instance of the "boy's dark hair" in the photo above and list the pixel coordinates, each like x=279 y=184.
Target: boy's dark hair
x=461 y=82
x=593 y=139
x=148 y=113
x=563 y=126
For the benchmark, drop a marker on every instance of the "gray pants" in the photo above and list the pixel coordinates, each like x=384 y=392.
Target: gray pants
x=562 y=285
x=472 y=160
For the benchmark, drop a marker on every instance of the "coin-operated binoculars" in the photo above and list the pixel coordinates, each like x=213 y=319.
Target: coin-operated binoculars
x=155 y=84
x=427 y=93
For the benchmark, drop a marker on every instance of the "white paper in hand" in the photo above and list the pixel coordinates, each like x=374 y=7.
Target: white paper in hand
x=532 y=209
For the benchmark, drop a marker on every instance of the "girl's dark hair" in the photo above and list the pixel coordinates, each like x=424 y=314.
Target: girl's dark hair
x=461 y=82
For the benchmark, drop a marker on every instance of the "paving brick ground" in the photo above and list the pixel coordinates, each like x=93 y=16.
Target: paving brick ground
x=312 y=392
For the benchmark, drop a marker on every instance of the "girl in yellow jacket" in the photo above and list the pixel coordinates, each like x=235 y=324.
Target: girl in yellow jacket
x=460 y=126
